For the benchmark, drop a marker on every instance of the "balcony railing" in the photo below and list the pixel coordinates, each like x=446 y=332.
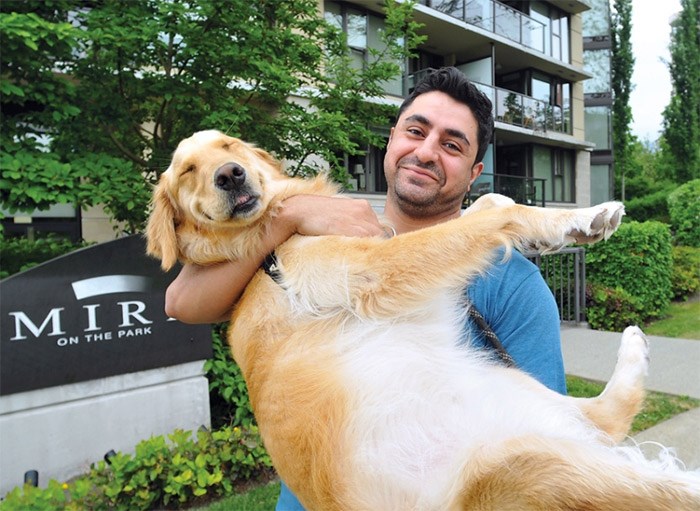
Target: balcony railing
x=523 y=190
x=495 y=17
x=514 y=108
x=521 y=110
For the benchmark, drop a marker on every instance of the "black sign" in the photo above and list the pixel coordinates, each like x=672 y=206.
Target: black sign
x=93 y=313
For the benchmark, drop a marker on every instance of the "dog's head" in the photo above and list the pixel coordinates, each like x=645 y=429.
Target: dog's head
x=214 y=181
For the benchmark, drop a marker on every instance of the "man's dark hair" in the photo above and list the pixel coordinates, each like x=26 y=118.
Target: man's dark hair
x=455 y=84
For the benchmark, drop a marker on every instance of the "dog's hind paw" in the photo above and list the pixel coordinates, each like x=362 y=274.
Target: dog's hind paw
x=633 y=355
x=597 y=222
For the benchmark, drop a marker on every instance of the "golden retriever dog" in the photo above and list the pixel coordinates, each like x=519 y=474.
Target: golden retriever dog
x=365 y=397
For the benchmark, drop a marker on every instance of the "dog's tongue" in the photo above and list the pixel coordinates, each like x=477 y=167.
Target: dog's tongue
x=242 y=199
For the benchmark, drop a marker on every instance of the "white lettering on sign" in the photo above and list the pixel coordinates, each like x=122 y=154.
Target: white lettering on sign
x=127 y=313
x=132 y=314
x=54 y=317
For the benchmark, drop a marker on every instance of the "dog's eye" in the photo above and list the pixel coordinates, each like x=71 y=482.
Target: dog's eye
x=189 y=168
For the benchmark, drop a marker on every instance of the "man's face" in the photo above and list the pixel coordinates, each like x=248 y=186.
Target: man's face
x=429 y=163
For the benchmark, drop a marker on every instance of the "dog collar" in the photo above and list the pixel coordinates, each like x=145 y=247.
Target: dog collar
x=271 y=267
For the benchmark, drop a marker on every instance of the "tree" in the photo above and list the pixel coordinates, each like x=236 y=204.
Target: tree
x=622 y=68
x=681 y=131
x=146 y=73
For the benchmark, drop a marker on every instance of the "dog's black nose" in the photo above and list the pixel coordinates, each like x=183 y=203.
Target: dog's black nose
x=229 y=176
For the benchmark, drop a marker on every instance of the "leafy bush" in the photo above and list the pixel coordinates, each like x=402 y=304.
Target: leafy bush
x=158 y=474
x=611 y=309
x=19 y=254
x=684 y=211
x=653 y=206
x=228 y=392
x=636 y=260
x=685 y=279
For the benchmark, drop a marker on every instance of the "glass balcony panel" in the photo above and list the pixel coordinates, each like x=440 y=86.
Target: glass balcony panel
x=523 y=190
x=533 y=34
x=480 y=13
x=454 y=8
x=507 y=22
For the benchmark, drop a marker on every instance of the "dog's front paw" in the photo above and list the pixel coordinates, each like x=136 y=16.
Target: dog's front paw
x=598 y=222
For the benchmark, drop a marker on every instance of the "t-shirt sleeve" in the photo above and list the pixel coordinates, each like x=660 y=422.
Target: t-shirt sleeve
x=517 y=304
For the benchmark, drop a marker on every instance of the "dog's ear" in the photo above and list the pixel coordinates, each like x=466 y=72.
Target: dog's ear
x=160 y=231
x=268 y=158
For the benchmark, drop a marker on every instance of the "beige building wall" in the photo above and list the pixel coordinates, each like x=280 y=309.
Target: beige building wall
x=96 y=225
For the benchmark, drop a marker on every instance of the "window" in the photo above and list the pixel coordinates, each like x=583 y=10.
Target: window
x=597 y=63
x=556 y=29
x=363 y=31
x=601 y=189
x=556 y=167
x=598 y=126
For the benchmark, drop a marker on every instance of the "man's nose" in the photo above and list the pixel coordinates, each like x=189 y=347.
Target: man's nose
x=427 y=150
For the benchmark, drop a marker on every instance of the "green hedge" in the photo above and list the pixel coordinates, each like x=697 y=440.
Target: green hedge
x=684 y=211
x=685 y=279
x=653 y=206
x=636 y=263
x=159 y=474
x=19 y=254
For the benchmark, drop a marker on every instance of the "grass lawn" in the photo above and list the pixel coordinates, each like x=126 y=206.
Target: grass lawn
x=682 y=320
x=657 y=406
x=261 y=498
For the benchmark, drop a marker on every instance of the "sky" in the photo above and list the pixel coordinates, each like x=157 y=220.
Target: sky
x=652 y=83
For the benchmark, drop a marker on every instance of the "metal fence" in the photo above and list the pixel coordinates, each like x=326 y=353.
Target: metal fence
x=565 y=274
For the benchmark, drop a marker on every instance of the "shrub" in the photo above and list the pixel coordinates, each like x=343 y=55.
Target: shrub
x=19 y=254
x=160 y=473
x=611 y=309
x=653 y=206
x=228 y=392
x=684 y=211
x=638 y=261
x=685 y=279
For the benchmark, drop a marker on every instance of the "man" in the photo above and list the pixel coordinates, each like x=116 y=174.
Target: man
x=434 y=154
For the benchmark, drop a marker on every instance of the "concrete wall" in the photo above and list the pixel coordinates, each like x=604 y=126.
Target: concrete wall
x=60 y=431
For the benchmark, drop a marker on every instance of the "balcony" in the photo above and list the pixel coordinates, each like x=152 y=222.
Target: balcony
x=495 y=17
x=525 y=111
x=523 y=190
x=514 y=108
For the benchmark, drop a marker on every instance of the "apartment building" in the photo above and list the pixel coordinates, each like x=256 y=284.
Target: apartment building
x=528 y=57
x=598 y=98
x=544 y=64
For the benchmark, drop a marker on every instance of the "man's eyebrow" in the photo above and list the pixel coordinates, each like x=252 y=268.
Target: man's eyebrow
x=421 y=119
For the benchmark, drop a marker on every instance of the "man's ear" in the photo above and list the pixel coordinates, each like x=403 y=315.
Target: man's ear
x=477 y=169
x=160 y=231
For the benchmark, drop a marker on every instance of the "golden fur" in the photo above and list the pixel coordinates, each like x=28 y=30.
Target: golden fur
x=364 y=399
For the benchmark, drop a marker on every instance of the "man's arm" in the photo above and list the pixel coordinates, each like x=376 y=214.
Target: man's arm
x=520 y=308
x=206 y=294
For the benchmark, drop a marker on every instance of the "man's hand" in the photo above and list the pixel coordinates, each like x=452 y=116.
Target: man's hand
x=313 y=215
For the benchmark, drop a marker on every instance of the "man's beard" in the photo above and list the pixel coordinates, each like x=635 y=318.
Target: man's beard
x=424 y=205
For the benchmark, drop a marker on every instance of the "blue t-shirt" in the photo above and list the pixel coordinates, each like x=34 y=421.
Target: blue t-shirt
x=519 y=307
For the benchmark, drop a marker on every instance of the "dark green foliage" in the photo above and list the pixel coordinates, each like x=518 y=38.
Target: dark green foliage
x=138 y=76
x=622 y=66
x=682 y=115
x=19 y=254
x=685 y=279
x=228 y=393
x=611 y=309
x=637 y=261
x=684 y=211
x=653 y=206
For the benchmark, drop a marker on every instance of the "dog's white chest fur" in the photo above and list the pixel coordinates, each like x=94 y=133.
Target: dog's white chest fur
x=423 y=402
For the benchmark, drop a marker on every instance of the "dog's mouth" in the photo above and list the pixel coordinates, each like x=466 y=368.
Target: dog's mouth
x=243 y=203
